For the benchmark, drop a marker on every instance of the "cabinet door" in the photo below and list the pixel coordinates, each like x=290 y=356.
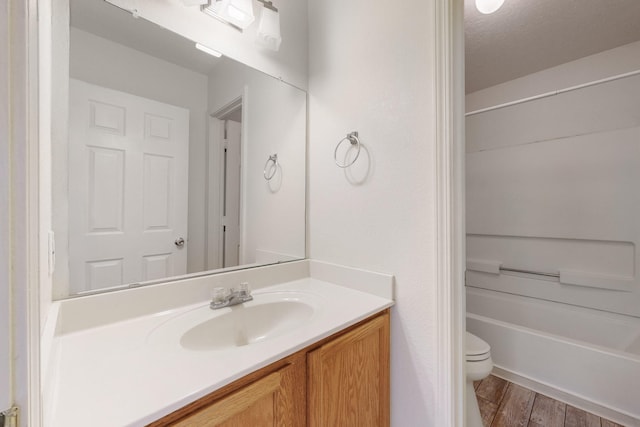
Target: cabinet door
x=348 y=378
x=265 y=402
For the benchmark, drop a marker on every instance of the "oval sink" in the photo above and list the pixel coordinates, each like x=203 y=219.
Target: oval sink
x=247 y=325
x=268 y=316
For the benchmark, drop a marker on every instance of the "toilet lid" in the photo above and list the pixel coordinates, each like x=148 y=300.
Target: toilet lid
x=477 y=349
x=478 y=357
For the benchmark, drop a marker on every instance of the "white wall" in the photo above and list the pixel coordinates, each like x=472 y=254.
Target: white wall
x=6 y=398
x=19 y=69
x=289 y=63
x=552 y=184
x=371 y=69
x=100 y=61
x=274 y=121
x=59 y=64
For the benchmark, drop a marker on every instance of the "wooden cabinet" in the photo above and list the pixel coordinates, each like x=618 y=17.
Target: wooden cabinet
x=262 y=403
x=348 y=378
x=342 y=380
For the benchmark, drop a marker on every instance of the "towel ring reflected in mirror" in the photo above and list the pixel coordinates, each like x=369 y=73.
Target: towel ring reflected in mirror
x=355 y=141
x=270 y=171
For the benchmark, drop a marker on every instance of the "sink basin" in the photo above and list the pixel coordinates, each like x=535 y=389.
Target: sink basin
x=247 y=325
x=268 y=316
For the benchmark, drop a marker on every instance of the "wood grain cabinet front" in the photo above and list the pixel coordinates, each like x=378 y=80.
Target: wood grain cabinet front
x=257 y=404
x=342 y=380
x=348 y=378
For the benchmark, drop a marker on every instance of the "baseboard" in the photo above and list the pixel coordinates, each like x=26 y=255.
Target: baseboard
x=571 y=399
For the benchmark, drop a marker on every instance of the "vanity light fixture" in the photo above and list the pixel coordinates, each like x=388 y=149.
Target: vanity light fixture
x=208 y=50
x=488 y=6
x=238 y=13
x=194 y=2
x=269 y=28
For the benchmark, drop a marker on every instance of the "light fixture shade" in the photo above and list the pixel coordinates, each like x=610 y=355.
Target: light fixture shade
x=239 y=13
x=488 y=6
x=194 y=2
x=216 y=7
x=269 y=29
x=236 y=12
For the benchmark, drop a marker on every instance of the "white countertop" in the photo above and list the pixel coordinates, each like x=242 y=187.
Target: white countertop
x=114 y=375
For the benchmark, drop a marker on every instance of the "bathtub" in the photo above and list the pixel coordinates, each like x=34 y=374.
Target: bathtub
x=587 y=358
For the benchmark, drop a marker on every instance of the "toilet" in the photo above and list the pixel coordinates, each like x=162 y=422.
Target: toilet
x=479 y=366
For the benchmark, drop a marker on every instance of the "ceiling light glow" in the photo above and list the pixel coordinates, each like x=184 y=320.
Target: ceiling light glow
x=488 y=6
x=208 y=50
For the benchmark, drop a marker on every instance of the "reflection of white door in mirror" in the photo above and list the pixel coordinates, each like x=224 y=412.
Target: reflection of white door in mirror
x=143 y=59
x=128 y=176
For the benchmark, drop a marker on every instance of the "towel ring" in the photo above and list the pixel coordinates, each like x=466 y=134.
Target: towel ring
x=273 y=169
x=354 y=140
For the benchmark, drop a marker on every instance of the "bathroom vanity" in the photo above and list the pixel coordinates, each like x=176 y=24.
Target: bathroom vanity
x=341 y=380
x=311 y=348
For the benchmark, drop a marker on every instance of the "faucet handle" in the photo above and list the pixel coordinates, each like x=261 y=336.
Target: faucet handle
x=219 y=295
x=243 y=289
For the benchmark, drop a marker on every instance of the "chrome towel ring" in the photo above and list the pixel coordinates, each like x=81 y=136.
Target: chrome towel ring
x=354 y=140
x=273 y=169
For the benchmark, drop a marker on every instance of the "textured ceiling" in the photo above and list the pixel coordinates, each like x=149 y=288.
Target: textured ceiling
x=526 y=36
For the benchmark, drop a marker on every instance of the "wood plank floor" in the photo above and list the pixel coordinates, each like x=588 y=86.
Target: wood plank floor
x=504 y=404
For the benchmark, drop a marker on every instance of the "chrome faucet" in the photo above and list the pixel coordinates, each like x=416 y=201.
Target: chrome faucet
x=223 y=297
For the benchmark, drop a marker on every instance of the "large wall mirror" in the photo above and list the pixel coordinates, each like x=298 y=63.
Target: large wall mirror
x=167 y=161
